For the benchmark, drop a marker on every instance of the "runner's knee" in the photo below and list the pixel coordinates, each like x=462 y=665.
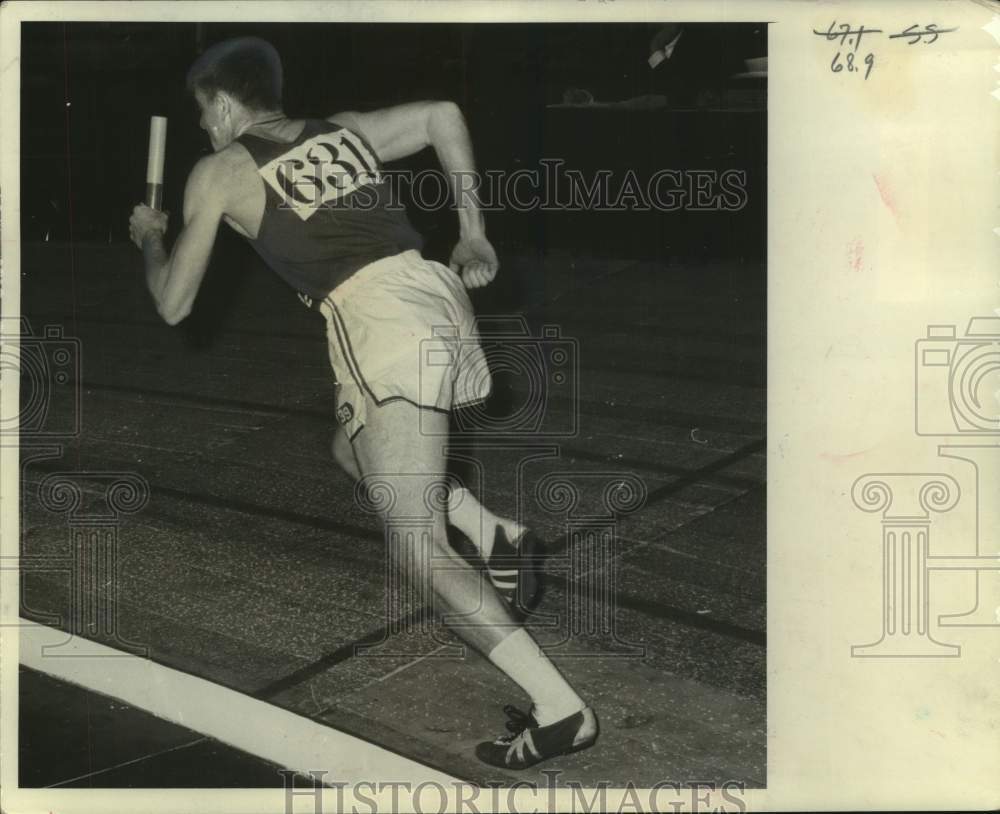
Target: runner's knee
x=417 y=547
x=340 y=448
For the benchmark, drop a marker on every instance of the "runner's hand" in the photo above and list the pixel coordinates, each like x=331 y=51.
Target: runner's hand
x=146 y=221
x=475 y=260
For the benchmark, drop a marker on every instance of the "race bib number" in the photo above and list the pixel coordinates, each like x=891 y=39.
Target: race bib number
x=320 y=171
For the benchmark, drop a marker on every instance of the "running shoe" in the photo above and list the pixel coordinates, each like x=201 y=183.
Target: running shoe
x=528 y=743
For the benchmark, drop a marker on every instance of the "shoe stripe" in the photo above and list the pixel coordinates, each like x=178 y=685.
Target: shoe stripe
x=531 y=744
x=503 y=572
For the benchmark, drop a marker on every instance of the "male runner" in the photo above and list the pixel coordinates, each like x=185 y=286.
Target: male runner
x=309 y=197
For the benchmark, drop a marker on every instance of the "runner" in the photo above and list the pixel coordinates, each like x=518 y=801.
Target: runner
x=309 y=196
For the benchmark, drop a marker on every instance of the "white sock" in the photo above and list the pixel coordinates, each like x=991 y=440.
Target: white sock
x=477 y=522
x=520 y=658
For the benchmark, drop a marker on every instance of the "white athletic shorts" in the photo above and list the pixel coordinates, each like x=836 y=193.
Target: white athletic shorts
x=402 y=328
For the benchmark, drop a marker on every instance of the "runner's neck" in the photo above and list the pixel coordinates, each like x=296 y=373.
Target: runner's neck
x=275 y=128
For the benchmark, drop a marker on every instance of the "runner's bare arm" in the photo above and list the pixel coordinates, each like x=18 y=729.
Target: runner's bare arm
x=397 y=132
x=174 y=279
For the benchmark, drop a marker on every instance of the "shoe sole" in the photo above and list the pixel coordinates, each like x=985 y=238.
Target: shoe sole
x=568 y=751
x=554 y=755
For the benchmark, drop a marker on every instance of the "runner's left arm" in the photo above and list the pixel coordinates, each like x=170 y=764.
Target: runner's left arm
x=397 y=132
x=174 y=278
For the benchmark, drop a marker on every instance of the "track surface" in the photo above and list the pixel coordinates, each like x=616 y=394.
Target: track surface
x=251 y=564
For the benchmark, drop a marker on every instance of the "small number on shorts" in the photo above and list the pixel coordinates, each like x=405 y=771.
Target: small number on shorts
x=345 y=412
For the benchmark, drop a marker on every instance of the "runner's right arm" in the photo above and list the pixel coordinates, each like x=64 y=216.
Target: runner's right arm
x=397 y=132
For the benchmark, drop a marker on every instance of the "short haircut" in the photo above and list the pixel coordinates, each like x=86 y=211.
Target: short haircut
x=247 y=68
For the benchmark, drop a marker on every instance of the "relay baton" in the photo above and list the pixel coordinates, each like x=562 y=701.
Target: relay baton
x=154 y=165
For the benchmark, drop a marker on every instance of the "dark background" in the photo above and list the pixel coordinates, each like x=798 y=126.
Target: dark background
x=89 y=89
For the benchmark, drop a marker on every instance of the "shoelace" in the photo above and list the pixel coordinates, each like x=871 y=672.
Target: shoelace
x=517 y=722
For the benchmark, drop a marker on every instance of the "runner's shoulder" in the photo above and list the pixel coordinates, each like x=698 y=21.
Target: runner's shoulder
x=218 y=174
x=231 y=160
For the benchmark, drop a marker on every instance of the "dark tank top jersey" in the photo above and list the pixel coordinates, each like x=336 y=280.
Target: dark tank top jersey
x=328 y=211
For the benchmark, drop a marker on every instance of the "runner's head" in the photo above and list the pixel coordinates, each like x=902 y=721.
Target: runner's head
x=234 y=83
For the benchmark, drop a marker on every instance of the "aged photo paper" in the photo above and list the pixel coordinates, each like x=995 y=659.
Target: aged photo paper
x=577 y=405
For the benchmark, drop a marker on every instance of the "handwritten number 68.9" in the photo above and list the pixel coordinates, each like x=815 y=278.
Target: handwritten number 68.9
x=837 y=66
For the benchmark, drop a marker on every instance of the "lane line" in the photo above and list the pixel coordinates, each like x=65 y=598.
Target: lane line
x=715 y=480
x=320 y=523
x=669 y=328
x=125 y=763
x=345 y=652
x=410 y=664
x=738 y=373
x=668 y=489
x=657 y=416
x=239 y=720
x=670 y=613
x=658 y=610
x=335 y=657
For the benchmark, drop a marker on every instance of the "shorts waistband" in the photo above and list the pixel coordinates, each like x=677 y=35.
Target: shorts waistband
x=358 y=278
